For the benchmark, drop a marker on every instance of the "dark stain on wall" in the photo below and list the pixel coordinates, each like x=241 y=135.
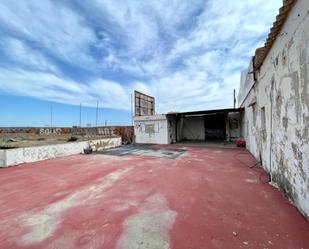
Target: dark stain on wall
x=297 y=99
x=285 y=123
x=305 y=130
x=299 y=160
x=290 y=43
x=278 y=104
x=284 y=182
x=304 y=78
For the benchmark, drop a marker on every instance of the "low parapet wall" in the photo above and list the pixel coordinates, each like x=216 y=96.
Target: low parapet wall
x=125 y=132
x=17 y=156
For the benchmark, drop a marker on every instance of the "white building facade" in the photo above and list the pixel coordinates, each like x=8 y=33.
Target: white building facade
x=151 y=129
x=275 y=96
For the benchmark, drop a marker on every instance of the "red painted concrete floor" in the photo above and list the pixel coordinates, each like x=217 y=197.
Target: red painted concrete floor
x=206 y=198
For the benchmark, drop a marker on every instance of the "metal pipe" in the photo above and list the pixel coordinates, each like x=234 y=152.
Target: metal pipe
x=234 y=99
x=96 y=115
x=51 y=116
x=80 y=115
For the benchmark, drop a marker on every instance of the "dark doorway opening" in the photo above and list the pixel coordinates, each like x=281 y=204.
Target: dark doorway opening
x=215 y=127
x=206 y=127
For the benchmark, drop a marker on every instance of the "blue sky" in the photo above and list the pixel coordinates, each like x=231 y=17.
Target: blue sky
x=188 y=54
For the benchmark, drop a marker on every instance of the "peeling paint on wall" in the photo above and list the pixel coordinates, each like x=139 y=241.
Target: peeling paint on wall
x=32 y=154
x=151 y=129
x=283 y=89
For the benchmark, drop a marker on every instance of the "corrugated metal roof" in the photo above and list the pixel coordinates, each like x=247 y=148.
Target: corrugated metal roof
x=261 y=53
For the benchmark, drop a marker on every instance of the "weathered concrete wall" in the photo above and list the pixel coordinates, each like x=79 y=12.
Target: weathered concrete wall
x=126 y=132
x=2 y=158
x=275 y=123
x=172 y=130
x=151 y=129
x=32 y=154
x=233 y=129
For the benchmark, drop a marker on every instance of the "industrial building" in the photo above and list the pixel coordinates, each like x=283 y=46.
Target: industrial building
x=198 y=126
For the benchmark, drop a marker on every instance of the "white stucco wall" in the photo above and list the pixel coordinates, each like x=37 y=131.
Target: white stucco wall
x=151 y=129
x=282 y=89
x=17 y=156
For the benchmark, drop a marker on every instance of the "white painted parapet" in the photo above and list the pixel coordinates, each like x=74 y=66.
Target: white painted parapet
x=10 y=157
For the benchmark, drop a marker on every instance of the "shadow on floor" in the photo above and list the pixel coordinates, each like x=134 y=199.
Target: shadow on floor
x=215 y=144
x=143 y=150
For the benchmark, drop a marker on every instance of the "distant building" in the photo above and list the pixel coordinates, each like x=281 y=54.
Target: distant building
x=198 y=126
x=274 y=93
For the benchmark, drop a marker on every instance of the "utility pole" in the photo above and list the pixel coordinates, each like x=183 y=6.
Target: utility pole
x=234 y=99
x=80 y=115
x=96 y=115
x=51 y=116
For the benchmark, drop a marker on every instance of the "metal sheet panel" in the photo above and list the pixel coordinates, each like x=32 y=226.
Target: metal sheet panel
x=144 y=104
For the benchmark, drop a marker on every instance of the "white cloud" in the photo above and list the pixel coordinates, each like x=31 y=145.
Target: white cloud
x=189 y=56
x=113 y=94
x=48 y=86
x=40 y=85
x=20 y=53
x=51 y=26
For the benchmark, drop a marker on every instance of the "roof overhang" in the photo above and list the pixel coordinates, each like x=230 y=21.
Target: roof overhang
x=204 y=112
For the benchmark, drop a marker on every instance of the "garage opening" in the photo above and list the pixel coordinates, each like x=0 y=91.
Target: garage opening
x=205 y=126
x=215 y=127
